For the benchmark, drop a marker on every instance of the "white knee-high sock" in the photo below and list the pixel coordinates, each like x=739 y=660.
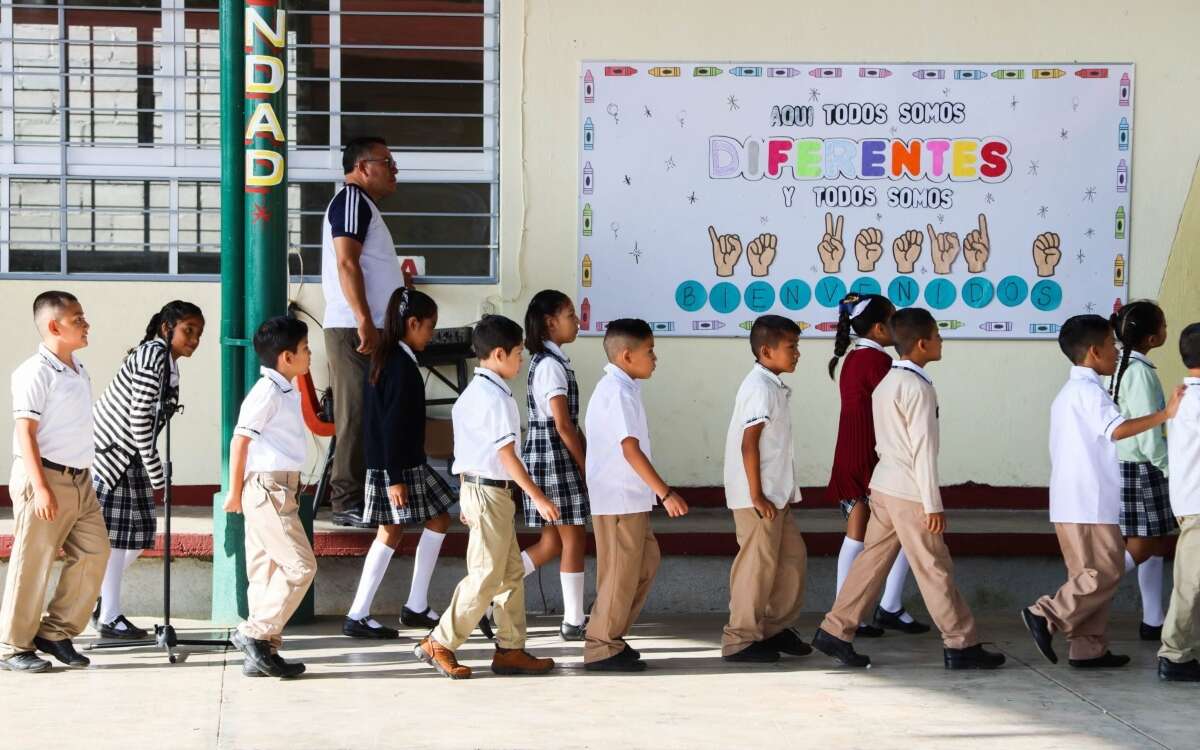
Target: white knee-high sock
x=572 y=588
x=110 y=588
x=527 y=561
x=893 y=592
x=131 y=555
x=1150 y=581
x=850 y=550
x=375 y=565
x=424 y=562
x=1129 y=562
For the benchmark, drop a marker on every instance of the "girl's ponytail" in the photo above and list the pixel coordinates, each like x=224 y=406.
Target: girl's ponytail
x=842 y=341
x=858 y=313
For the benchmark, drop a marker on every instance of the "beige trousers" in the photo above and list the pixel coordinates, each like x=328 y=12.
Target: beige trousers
x=495 y=574
x=79 y=531
x=900 y=524
x=1095 y=558
x=280 y=563
x=1179 y=631
x=347 y=370
x=627 y=558
x=766 y=583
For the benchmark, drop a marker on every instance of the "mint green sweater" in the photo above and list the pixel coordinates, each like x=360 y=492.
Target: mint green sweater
x=1142 y=394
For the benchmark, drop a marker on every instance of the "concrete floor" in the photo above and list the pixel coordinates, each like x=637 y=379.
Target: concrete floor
x=366 y=695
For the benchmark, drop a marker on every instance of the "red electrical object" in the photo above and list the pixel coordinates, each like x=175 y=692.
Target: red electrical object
x=310 y=406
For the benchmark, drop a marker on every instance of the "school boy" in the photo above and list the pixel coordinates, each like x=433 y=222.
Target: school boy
x=1085 y=497
x=906 y=508
x=487 y=440
x=766 y=583
x=623 y=487
x=265 y=459
x=54 y=505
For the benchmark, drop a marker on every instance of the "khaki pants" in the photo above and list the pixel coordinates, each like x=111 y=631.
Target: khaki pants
x=280 y=563
x=348 y=373
x=900 y=524
x=79 y=531
x=1179 y=630
x=627 y=558
x=495 y=574
x=1095 y=558
x=766 y=583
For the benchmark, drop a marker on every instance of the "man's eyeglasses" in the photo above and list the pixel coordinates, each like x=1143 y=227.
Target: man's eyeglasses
x=389 y=161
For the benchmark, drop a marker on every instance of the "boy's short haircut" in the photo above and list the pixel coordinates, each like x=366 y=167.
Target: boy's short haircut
x=1080 y=333
x=494 y=332
x=910 y=325
x=276 y=336
x=625 y=333
x=770 y=331
x=1189 y=346
x=52 y=303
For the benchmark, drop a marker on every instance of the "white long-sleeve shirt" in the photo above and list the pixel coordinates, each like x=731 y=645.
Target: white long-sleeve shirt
x=905 y=409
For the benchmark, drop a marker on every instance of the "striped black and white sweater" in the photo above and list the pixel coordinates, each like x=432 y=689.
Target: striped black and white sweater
x=123 y=417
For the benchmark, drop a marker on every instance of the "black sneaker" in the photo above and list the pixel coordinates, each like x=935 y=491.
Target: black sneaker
x=62 y=650
x=258 y=652
x=249 y=670
x=895 y=621
x=364 y=629
x=1108 y=661
x=787 y=641
x=1171 y=671
x=130 y=632
x=756 y=653
x=631 y=651
x=25 y=661
x=621 y=662
x=972 y=657
x=868 y=631
x=841 y=650
x=1149 y=632
x=288 y=669
x=1040 y=630
x=571 y=632
x=410 y=619
x=352 y=519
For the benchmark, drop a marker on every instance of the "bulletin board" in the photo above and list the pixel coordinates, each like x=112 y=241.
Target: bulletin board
x=996 y=195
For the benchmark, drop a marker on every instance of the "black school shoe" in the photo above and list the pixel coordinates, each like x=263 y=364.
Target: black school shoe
x=571 y=632
x=257 y=652
x=868 y=631
x=1108 y=661
x=787 y=641
x=410 y=619
x=841 y=650
x=62 y=650
x=351 y=519
x=757 y=652
x=25 y=661
x=363 y=629
x=1040 y=630
x=893 y=621
x=130 y=632
x=623 y=661
x=1170 y=671
x=1149 y=632
x=630 y=650
x=972 y=657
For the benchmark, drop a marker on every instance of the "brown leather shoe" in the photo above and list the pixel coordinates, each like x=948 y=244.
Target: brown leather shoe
x=441 y=658
x=519 y=661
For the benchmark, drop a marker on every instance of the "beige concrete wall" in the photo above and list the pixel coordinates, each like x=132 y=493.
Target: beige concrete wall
x=994 y=395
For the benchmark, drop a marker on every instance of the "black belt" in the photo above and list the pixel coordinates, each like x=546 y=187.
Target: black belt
x=501 y=483
x=64 y=469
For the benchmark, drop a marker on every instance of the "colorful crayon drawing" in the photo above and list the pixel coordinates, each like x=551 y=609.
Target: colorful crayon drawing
x=664 y=72
x=589 y=135
x=828 y=326
x=585 y=314
x=589 y=178
x=782 y=72
x=1119 y=270
x=1092 y=73
x=707 y=325
x=1123 y=135
x=1123 y=91
x=705 y=71
x=746 y=72
x=587 y=270
x=1043 y=328
x=1040 y=74
x=874 y=73
x=931 y=74
x=1119 y=229
x=1008 y=74
x=587 y=220
x=825 y=72
x=589 y=87
x=1122 y=177
x=659 y=326
x=996 y=325
x=619 y=70
x=950 y=325
x=969 y=75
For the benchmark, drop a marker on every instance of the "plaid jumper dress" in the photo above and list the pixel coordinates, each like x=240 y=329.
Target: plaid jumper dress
x=549 y=462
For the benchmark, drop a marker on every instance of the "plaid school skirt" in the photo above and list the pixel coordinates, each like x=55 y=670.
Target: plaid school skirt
x=428 y=496
x=554 y=471
x=128 y=508
x=1145 y=502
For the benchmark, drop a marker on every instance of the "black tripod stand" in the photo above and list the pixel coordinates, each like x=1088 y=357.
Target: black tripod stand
x=164 y=634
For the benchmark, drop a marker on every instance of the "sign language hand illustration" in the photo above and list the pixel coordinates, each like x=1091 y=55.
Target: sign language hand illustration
x=907 y=249
x=830 y=248
x=760 y=254
x=868 y=248
x=1046 y=253
x=944 y=248
x=726 y=249
x=977 y=247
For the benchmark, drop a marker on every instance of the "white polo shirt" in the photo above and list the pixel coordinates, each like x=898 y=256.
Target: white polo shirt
x=1085 y=479
x=614 y=413
x=549 y=380
x=59 y=399
x=353 y=214
x=270 y=416
x=1183 y=452
x=485 y=420
x=761 y=399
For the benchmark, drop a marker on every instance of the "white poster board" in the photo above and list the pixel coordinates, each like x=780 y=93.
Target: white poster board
x=996 y=195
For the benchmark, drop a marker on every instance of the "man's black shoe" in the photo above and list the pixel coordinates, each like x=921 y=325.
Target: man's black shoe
x=1170 y=671
x=1040 y=631
x=841 y=650
x=786 y=641
x=25 y=661
x=287 y=668
x=258 y=652
x=351 y=518
x=410 y=619
x=756 y=653
x=363 y=629
x=972 y=657
x=895 y=621
x=62 y=650
x=620 y=662
x=632 y=652
x=249 y=670
x=1108 y=661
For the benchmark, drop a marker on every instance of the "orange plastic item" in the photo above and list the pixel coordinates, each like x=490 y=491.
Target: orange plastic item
x=310 y=406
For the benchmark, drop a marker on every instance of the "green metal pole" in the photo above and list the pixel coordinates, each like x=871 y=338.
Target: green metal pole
x=229 y=555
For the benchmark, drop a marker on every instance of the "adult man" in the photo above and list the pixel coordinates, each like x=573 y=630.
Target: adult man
x=359 y=272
